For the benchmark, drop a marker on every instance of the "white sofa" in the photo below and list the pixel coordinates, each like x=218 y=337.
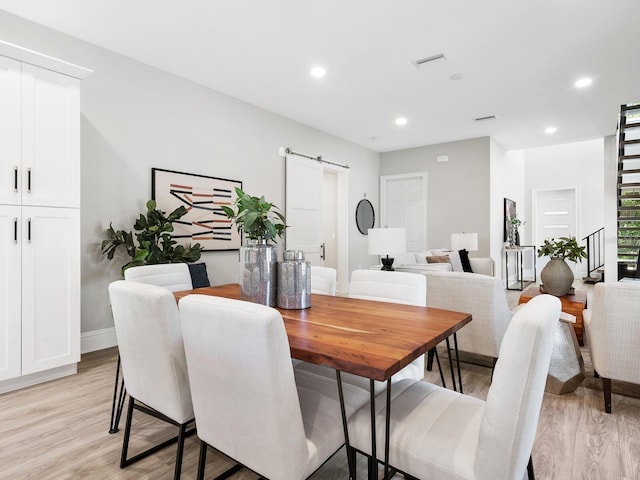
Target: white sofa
x=417 y=262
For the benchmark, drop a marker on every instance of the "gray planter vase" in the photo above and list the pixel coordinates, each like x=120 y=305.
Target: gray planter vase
x=557 y=277
x=258 y=268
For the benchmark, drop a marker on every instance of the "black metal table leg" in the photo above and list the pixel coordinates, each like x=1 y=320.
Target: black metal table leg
x=118 y=401
x=453 y=374
x=373 y=459
x=455 y=343
x=387 y=431
x=346 y=427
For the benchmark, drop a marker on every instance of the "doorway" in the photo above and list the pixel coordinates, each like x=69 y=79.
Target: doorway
x=555 y=215
x=316 y=207
x=403 y=201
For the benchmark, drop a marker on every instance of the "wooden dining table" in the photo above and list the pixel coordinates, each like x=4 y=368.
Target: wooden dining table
x=369 y=338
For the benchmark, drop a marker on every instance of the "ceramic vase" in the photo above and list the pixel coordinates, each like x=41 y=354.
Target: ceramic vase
x=557 y=277
x=258 y=267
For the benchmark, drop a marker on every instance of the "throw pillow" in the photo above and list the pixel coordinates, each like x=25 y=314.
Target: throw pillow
x=199 y=277
x=438 y=259
x=456 y=262
x=464 y=259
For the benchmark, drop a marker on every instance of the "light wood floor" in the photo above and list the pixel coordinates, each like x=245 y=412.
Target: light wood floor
x=58 y=430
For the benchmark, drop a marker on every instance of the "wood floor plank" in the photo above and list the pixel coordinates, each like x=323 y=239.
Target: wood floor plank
x=59 y=430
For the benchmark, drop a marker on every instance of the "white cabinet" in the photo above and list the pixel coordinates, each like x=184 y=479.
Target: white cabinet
x=10 y=288
x=40 y=136
x=39 y=217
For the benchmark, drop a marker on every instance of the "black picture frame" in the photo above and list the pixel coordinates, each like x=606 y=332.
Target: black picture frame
x=509 y=214
x=205 y=222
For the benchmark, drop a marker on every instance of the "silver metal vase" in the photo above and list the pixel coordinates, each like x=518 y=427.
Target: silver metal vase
x=258 y=267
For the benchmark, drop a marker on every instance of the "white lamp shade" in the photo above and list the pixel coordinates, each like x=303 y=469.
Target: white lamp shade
x=466 y=241
x=387 y=241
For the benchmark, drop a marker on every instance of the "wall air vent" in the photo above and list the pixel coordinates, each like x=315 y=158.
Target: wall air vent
x=432 y=58
x=489 y=117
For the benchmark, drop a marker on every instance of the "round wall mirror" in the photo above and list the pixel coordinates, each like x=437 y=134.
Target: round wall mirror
x=365 y=216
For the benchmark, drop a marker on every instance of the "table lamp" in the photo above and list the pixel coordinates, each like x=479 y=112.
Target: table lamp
x=464 y=241
x=385 y=241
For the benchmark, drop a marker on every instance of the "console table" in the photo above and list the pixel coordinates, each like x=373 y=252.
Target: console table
x=519 y=251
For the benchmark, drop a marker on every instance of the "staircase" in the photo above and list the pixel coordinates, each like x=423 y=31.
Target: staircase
x=595 y=257
x=629 y=191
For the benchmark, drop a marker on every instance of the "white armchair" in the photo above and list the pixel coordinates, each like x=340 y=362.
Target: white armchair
x=612 y=324
x=440 y=434
x=172 y=276
x=481 y=296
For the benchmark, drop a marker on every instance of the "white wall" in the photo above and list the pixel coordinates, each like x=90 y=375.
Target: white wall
x=135 y=117
x=458 y=190
x=610 y=203
x=507 y=181
x=577 y=165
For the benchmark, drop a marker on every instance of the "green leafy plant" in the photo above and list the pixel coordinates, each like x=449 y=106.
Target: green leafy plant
x=256 y=217
x=564 y=248
x=152 y=244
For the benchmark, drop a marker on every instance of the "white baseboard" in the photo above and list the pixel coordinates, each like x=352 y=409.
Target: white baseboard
x=39 y=377
x=98 y=340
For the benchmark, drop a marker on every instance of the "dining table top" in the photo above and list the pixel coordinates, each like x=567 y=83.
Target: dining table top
x=368 y=338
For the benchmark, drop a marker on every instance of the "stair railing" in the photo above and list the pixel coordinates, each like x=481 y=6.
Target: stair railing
x=595 y=250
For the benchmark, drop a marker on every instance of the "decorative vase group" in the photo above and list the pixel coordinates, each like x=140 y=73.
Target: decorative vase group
x=557 y=277
x=264 y=280
x=258 y=263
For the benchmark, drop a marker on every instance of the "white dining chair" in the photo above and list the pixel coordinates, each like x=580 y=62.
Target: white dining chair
x=323 y=280
x=612 y=323
x=154 y=368
x=394 y=287
x=172 y=276
x=437 y=433
x=249 y=404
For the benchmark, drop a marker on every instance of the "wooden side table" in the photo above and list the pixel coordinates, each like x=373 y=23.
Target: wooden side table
x=573 y=304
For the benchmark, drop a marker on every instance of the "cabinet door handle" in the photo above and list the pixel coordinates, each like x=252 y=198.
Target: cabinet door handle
x=29 y=180
x=323 y=254
x=15 y=179
x=29 y=230
x=15 y=229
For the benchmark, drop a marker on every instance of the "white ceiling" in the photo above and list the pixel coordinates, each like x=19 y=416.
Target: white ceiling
x=518 y=60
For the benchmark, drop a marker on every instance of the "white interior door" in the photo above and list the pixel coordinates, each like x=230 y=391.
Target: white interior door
x=316 y=209
x=555 y=215
x=403 y=200
x=304 y=202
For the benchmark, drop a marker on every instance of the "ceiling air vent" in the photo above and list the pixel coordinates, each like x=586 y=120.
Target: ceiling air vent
x=489 y=117
x=432 y=58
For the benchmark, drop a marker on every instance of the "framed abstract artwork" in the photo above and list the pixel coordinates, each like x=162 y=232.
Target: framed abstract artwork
x=205 y=222
x=509 y=214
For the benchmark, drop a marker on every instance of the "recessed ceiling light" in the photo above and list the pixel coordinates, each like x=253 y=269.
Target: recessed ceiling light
x=318 y=72
x=401 y=121
x=583 y=82
x=455 y=76
x=550 y=130
x=375 y=139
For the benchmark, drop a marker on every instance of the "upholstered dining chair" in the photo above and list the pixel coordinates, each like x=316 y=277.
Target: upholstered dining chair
x=395 y=287
x=612 y=324
x=436 y=433
x=154 y=367
x=249 y=403
x=173 y=277
x=481 y=296
x=323 y=280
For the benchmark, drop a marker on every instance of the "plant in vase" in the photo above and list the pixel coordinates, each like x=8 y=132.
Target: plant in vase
x=557 y=276
x=516 y=223
x=261 y=222
x=152 y=244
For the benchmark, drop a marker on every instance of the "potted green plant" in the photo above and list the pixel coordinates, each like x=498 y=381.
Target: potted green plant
x=557 y=276
x=152 y=243
x=261 y=222
x=516 y=223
